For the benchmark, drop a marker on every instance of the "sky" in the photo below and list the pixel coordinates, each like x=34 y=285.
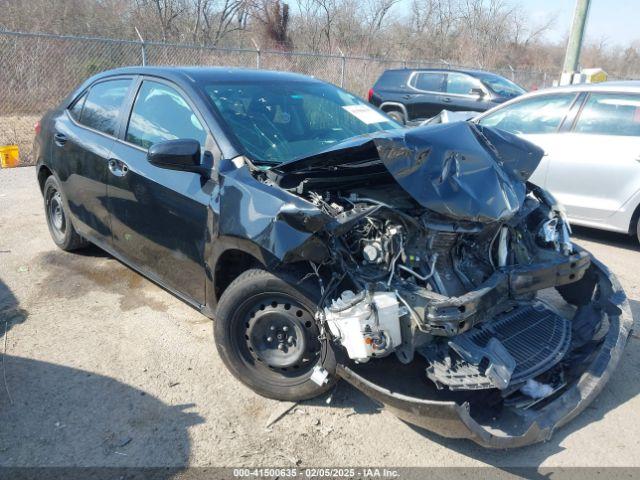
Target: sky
x=615 y=21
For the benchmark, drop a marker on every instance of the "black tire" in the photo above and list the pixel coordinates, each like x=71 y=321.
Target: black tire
x=397 y=115
x=638 y=230
x=60 y=227
x=249 y=331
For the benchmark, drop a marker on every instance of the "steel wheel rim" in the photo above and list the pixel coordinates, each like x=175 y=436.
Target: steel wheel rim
x=55 y=213
x=293 y=328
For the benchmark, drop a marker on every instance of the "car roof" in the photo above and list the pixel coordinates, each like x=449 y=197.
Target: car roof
x=468 y=71
x=193 y=74
x=631 y=86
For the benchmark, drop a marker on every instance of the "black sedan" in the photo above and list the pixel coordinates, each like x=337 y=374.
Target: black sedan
x=328 y=241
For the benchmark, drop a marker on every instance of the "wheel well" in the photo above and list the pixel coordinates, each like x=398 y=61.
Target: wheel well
x=229 y=266
x=634 y=221
x=391 y=108
x=43 y=174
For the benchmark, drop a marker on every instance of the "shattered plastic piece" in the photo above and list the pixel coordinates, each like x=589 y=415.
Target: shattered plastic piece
x=501 y=362
x=564 y=238
x=536 y=389
x=549 y=231
x=319 y=376
x=448 y=116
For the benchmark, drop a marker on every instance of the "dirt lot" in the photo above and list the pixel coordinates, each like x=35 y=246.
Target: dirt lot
x=103 y=368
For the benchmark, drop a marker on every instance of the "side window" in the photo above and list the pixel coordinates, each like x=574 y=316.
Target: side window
x=160 y=113
x=429 y=82
x=541 y=114
x=610 y=114
x=102 y=105
x=76 y=109
x=461 y=84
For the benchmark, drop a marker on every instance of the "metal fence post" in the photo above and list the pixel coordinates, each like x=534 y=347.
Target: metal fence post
x=255 y=44
x=343 y=64
x=142 y=49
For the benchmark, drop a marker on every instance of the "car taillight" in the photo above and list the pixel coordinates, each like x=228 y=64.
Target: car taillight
x=36 y=127
x=370 y=94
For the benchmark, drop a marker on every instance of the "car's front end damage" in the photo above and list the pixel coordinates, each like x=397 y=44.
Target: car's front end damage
x=450 y=289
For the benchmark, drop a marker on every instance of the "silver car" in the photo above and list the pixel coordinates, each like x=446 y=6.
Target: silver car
x=591 y=136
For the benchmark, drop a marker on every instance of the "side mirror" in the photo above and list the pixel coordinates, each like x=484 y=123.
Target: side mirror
x=182 y=155
x=477 y=91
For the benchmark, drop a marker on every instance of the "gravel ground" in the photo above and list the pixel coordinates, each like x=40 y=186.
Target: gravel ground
x=104 y=368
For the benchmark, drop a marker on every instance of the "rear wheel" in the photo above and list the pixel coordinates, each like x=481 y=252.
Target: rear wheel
x=60 y=227
x=267 y=336
x=397 y=115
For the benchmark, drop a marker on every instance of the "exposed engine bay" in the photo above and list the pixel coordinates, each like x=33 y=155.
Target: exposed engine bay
x=461 y=295
x=444 y=258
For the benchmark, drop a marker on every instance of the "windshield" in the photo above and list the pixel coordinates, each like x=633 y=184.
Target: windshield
x=501 y=86
x=278 y=122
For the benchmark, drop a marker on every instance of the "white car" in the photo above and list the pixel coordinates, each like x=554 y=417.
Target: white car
x=591 y=136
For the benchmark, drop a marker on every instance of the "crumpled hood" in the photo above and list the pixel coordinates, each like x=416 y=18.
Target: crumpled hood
x=460 y=170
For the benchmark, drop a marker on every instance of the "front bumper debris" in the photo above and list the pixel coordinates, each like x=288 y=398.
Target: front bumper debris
x=455 y=420
x=455 y=315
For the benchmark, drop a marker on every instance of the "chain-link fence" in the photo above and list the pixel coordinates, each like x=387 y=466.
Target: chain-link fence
x=38 y=70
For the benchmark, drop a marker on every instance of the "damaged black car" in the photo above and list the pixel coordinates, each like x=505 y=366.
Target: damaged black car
x=327 y=241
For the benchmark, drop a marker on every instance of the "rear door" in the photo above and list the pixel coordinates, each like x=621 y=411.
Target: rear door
x=159 y=216
x=83 y=137
x=596 y=168
x=538 y=119
x=423 y=99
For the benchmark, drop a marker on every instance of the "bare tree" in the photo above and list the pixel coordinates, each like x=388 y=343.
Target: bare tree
x=222 y=19
x=166 y=14
x=273 y=17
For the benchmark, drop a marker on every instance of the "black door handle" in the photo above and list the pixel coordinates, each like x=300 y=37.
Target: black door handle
x=60 y=139
x=446 y=99
x=407 y=96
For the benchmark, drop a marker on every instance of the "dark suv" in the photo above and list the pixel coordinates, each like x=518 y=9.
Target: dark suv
x=416 y=94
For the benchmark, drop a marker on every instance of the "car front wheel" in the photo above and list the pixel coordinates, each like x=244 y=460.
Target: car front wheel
x=268 y=338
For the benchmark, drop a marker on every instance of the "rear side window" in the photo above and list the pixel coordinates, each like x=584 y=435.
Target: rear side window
x=102 y=105
x=461 y=84
x=76 y=108
x=429 y=82
x=160 y=113
x=610 y=114
x=392 y=79
x=535 y=115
